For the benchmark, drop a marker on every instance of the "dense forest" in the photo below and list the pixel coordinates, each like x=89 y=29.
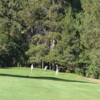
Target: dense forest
x=50 y=32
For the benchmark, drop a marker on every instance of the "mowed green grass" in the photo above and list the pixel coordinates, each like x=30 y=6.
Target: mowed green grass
x=19 y=84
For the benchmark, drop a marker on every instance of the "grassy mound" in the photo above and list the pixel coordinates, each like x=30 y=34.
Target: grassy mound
x=21 y=84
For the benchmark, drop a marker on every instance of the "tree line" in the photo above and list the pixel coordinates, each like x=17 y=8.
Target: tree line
x=50 y=32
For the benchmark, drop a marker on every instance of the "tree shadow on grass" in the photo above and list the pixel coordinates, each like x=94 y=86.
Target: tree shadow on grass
x=42 y=78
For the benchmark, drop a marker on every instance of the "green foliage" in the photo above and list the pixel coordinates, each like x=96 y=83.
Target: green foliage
x=12 y=45
x=65 y=32
x=90 y=38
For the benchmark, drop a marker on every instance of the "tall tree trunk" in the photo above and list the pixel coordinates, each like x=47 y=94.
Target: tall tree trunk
x=42 y=63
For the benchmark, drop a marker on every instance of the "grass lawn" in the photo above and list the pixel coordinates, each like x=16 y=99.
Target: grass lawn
x=19 y=84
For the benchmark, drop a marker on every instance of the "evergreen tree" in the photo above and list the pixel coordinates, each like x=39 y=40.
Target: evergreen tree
x=12 y=44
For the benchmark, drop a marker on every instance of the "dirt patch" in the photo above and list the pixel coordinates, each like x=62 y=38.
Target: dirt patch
x=94 y=80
